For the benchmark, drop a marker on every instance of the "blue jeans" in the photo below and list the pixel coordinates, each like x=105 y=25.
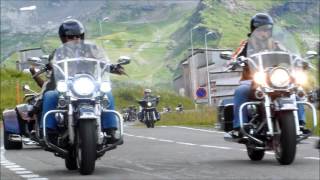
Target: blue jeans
x=241 y=95
x=50 y=102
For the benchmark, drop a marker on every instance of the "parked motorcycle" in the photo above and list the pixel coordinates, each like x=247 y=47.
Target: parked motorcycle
x=19 y=123
x=130 y=114
x=81 y=75
x=179 y=108
x=272 y=111
x=149 y=114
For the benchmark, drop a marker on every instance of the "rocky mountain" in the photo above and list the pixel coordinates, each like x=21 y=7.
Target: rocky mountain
x=155 y=33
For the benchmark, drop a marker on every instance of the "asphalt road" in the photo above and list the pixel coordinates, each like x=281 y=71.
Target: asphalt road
x=166 y=153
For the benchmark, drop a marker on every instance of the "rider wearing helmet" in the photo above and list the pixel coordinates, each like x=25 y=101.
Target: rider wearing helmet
x=262 y=25
x=72 y=30
x=147 y=94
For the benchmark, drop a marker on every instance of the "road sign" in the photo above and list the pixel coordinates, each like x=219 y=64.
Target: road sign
x=201 y=92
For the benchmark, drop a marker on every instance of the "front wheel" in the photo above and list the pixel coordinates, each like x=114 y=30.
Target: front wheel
x=285 y=143
x=87 y=143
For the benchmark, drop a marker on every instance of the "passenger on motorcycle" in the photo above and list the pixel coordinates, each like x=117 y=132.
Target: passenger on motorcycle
x=262 y=40
x=73 y=31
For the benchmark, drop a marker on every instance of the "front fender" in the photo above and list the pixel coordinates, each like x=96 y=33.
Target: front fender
x=285 y=104
x=11 y=122
x=87 y=112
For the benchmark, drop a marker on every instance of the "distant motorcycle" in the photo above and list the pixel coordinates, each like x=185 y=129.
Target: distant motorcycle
x=130 y=114
x=179 y=108
x=149 y=114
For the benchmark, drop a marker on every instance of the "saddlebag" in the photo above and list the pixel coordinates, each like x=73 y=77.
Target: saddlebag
x=10 y=121
x=225 y=114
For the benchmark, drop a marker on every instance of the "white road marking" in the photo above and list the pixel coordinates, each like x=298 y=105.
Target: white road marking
x=29 y=175
x=313 y=158
x=166 y=140
x=23 y=172
x=17 y=169
x=178 y=142
x=217 y=147
x=271 y=153
x=8 y=164
x=13 y=166
x=188 y=144
x=202 y=130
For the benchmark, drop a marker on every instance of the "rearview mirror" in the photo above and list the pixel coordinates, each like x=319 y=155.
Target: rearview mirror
x=26 y=87
x=45 y=57
x=35 y=61
x=123 y=60
x=226 y=55
x=311 y=54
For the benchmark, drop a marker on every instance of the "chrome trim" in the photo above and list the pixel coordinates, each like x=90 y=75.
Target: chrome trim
x=295 y=114
x=268 y=115
x=98 y=121
x=70 y=124
x=241 y=121
x=50 y=145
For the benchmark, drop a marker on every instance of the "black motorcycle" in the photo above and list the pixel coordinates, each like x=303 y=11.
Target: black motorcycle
x=129 y=114
x=149 y=114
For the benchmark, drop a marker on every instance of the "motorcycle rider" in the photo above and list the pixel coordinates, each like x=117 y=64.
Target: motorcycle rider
x=72 y=30
x=262 y=40
x=147 y=94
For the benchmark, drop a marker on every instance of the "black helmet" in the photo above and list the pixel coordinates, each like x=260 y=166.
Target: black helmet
x=71 y=27
x=260 y=19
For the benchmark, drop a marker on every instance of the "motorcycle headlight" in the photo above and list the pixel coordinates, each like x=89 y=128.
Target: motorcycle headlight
x=105 y=87
x=280 y=78
x=149 y=104
x=62 y=86
x=300 y=77
x=83 y=86
x=260 y=78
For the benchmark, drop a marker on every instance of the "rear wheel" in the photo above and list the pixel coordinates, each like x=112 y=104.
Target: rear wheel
x=254 y=154
x=9 y=145
x=71 y=160
x=87 y=143
x=285 y=144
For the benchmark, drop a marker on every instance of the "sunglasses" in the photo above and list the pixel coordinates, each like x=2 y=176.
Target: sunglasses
x=73 y=37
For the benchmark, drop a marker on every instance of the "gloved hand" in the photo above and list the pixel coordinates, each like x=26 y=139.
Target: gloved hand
x=32 y=70
x=117 y=69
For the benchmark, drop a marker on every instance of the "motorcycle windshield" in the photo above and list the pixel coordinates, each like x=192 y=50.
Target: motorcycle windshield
x=271 y=46
x=77 y=58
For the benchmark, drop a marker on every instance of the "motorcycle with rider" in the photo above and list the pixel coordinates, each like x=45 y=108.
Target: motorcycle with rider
x=73 y=117
x=148 y=105
x=268 y=107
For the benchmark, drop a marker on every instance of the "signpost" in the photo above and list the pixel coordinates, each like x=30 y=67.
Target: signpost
x=201 y=92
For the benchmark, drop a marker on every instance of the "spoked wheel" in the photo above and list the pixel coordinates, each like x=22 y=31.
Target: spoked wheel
x=86 y=146
x=255 y=154
x=285 y=143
